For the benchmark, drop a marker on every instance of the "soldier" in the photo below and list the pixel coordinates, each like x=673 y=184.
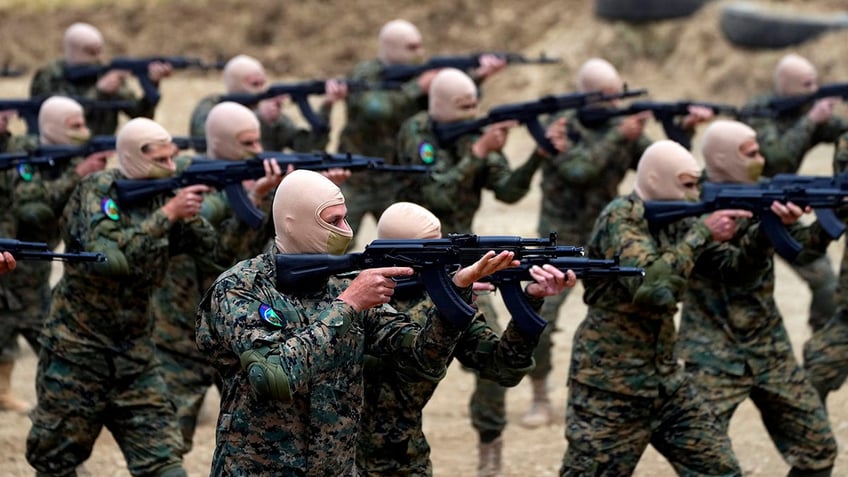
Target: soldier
x=626 y=389
x=244 y=74
x=83 y=45
x=40 y=194
x=97 y=365
x=826 y=352
x=391 y=440
x=232 y=133
x=453 y=193
x=784 y=141
x=576 y=185
x=732 y=337
x=375 y=117
x=291 y=360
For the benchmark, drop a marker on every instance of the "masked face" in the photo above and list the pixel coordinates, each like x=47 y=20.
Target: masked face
x=160 y=157
x=749 y=153
x=78 y=132
x=250 y=141
x=688 y=186
x=340 y=233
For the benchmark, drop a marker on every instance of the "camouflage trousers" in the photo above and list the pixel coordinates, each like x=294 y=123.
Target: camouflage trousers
x=24 y=306
x=826 y=355
x=487 y=406
x=74 y=404
x=822 y=281
x=187 y=380
x=789 y=406
x=608 y=432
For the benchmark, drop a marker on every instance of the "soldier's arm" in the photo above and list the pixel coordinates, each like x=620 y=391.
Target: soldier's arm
x=785 y=150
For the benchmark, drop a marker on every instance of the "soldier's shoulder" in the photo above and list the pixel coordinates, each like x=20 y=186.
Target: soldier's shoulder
x=367 y=68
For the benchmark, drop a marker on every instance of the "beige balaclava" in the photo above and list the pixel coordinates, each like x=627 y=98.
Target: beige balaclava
x=54 y=117
x=79 y=42
x=795 y=75
x=298 y=203
x=724 y=161
x=450 y=90
x=130 y=141
x=393 y=42
x=239 y=73
x=223 y=125
x=661 y=169
x=405 y=220
x=598 y=74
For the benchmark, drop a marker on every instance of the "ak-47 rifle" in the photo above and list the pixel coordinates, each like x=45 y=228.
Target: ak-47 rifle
x=40 y=251
x=53 y=155
x=300 y=92
x=665 y=112
x=784 y=105
x=527 y=113
x=28 y=109
x=429 y=258
x=138 y=67
x=509 y=281
x=228 y=175
x=404 y=73
x=817 y=192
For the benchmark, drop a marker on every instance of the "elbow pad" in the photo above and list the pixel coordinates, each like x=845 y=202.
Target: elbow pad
x=266 y=374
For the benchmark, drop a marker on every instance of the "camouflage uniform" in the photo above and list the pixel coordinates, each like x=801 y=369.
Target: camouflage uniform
x=277 y=136
x=391 y=440
x=735 y=346
x=186 y=371
x=319 y=342
x=452 y=192
x=50 y=80
x=576 y=185
x=783 y=142
x=371 y=127
x=826 y=352
x=97 y=364
x=626 y=390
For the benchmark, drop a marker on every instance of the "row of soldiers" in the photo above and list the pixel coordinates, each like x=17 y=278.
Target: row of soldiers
x=97 y=348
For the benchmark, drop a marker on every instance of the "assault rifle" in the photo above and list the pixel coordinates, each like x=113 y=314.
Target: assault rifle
x=53 y=155
x=527 y=113
x=509 y=282
x=228 y=175
x=790 y=104
x=404 y=73
x=664 y=112
x=430 y=258
x=818 y=193
x=300 y=92
x=28 y=109
x=41 y=252
x=138 y=67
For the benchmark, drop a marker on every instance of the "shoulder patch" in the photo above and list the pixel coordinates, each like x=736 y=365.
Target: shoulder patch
x=426 y=152
x=270 y=316
x=110 y=208
x=26 y=172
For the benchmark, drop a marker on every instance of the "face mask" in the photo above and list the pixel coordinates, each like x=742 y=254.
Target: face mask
x=80 y=136
x=337 y=243
x=755 y=170
x=158 y=172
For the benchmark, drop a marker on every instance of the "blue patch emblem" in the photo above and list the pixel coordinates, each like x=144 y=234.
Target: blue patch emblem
x=270 y=316
x=426 y=152
x=110 y=208
x=26 y=171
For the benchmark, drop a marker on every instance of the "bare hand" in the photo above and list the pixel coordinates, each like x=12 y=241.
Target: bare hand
x=697 y=115
x=373 y=287
x=487 y=265
x=489 y=65
x=6 y=116
x=93 y=163
x=425 y=78
x=493 y=139
x=186 y=203
x=549 y=281
x=7 y=262
x=334 y=90
x=557 y=133
x=337 y=175
x=272 y=178
x=788 y=213
x=722 y=223
x=112 y=81
x=822 y=110
x=633 y=126
x=157 y=70
x=270 y=109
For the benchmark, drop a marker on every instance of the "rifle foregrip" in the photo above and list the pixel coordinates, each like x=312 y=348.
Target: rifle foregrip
x=450 y=305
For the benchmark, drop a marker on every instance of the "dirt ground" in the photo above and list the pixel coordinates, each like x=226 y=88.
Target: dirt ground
x=674 y=60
